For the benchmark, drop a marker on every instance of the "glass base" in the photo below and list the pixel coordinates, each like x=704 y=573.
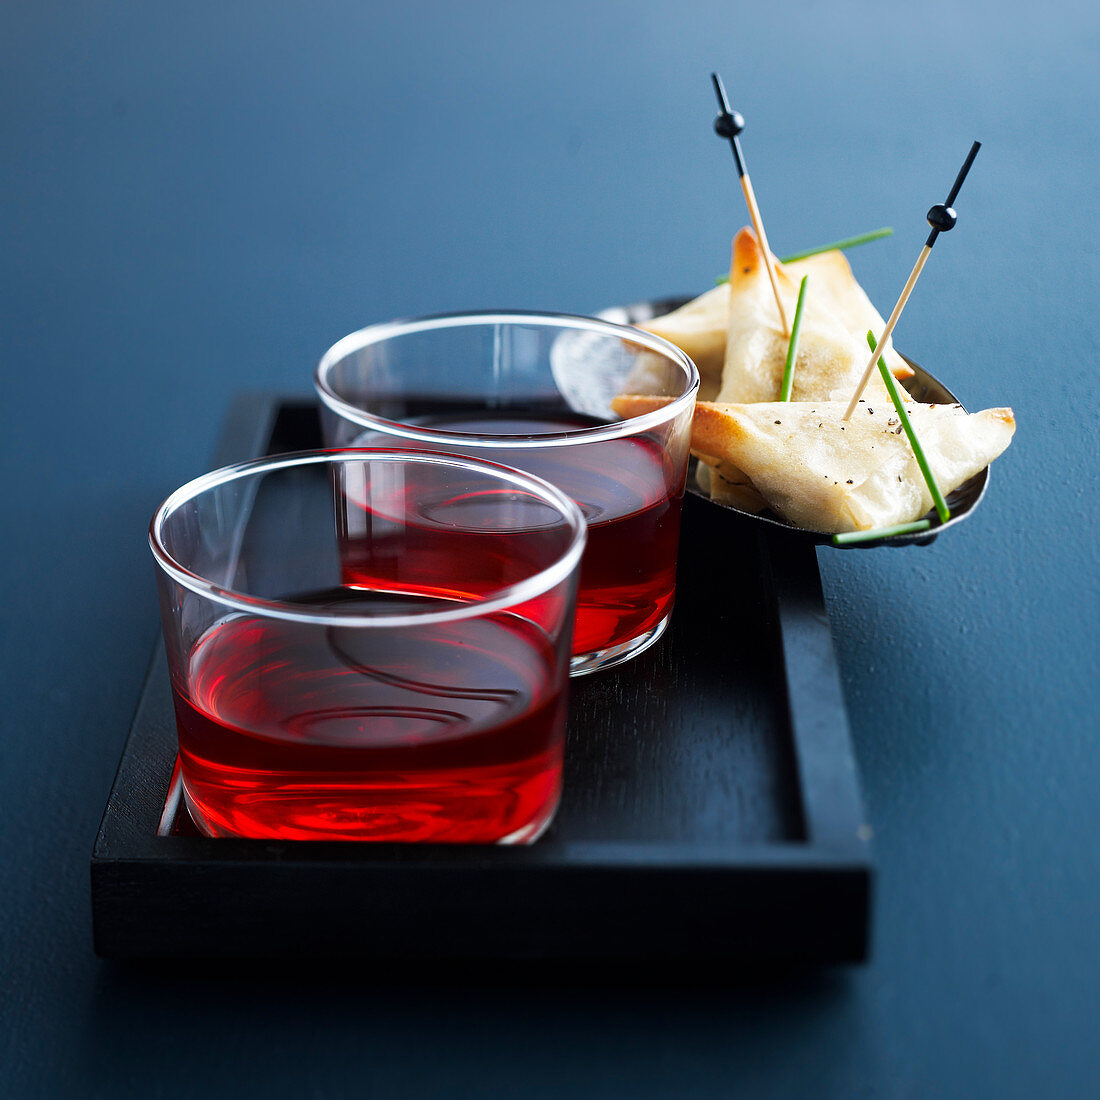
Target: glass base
x=600 y=659
x=530 y=833
x=526 y=834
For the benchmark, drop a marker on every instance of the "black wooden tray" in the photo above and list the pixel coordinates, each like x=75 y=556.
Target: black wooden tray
x=711 y=811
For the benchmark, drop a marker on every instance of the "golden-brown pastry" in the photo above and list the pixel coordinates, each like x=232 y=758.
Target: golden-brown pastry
x=824 y=473
x=699 y=329
x=830 y=360
x=830 y=275
x=726 y=484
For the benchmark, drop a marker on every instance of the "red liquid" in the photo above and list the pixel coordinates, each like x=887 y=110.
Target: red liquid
x=450 y=732
x=631 y=500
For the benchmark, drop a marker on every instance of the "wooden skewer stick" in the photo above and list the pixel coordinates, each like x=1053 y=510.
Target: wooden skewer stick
x=729 y=124
x=941 y=218
x=906 y=290
x=762 y=237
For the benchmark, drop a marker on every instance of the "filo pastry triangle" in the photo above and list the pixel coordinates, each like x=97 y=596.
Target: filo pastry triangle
x=826 y=474
x=830 y=360
x=830 y=275
x=700 y=327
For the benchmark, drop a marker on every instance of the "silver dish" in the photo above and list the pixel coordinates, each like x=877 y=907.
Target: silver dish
x=921 y=387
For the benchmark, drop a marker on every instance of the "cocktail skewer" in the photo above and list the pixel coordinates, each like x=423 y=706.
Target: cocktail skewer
x=941 y=218
x=729 y=124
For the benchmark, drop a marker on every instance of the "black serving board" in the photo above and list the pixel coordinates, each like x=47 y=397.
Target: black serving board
x=711 y=812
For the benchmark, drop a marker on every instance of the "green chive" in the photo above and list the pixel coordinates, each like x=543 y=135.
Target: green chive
x=848 y=242
x=881 y=532
x=792 y=347
x=937 y=497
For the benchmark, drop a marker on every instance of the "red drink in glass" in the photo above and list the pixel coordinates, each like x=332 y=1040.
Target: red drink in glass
x=450 y=732
x=631 y=498
x=535 y=391
x=425 y=703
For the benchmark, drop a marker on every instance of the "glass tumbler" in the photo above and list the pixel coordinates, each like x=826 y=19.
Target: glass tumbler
x=426 y=703
x=534 y=391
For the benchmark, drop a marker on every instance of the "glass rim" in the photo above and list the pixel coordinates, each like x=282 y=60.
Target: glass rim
x=500 y=600
x=385 y=330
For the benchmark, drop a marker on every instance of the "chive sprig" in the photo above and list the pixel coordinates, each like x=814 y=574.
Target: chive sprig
x=792 y=346
x=846 y=538
x=848 y=242
x=929 y=478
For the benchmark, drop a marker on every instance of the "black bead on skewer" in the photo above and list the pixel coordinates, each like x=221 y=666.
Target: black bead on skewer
x=729 y=126
x=942 y=216
x=729 y=123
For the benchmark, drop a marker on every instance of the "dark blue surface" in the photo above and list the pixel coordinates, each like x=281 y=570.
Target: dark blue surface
x=197 y=199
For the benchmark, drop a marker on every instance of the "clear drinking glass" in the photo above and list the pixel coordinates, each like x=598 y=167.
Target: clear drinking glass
x=534 y=391
x=427 y=703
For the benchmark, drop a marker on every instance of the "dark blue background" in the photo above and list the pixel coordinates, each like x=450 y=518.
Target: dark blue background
x=198 y=198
